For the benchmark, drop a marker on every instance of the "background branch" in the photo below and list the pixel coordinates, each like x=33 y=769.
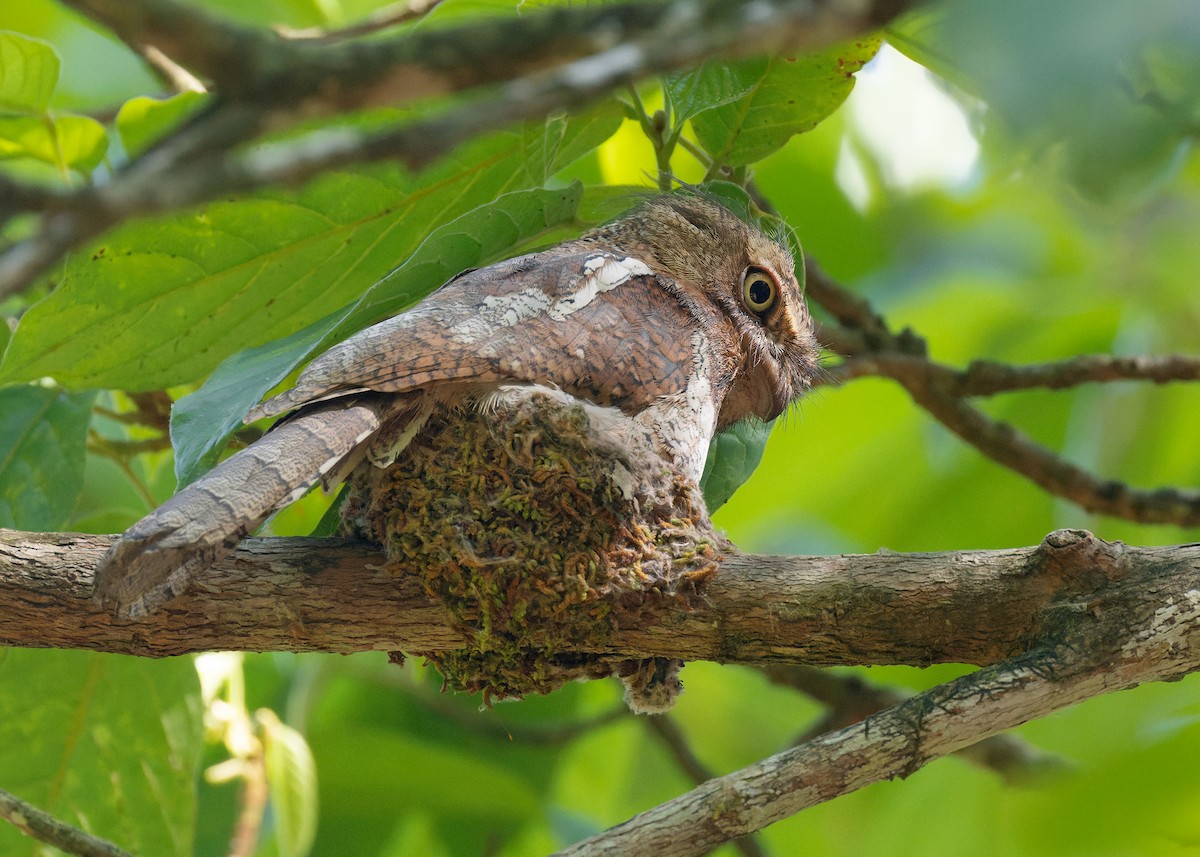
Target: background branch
x=900 y=740
x=849 y=698
x=46 y=828
x=871 y=348
x=543 y=62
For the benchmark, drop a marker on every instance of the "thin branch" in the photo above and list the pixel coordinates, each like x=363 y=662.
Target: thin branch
x=865 y=337
x=174 y=75
x=46 y=828
x=902 y=739
x=987 y=377
x=669 y=732
x=380 y=19
x=252 y=804
x=849 y=699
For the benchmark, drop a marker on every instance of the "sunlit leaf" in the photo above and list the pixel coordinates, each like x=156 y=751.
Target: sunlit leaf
x=197 y=287
x=784 y=96
x=142 y=120
x=713 y=84
x=28 y=73
x=42 y=436
x=67 y=142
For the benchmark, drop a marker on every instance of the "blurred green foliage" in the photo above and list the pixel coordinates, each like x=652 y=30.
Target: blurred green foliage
x=1074 y=232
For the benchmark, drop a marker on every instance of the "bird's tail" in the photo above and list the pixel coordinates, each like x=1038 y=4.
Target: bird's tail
x=156 y=558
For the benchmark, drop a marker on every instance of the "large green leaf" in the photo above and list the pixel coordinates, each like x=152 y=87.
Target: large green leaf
x=107 y=743
x=732 y=457
x=42 y=437
x=784 y=96
x=201 y=422
x=163 y=302
x=28 y=73
x=713 y=84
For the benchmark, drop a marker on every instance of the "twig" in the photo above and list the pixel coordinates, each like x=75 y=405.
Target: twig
x=875 y=350
x=252 y=804
x=987 y=377
x=46 y=828
x=172 y=73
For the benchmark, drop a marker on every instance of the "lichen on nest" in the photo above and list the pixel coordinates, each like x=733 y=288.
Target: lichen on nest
x=542 y=535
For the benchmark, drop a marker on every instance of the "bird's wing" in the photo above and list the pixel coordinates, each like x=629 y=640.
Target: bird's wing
x=597 y=324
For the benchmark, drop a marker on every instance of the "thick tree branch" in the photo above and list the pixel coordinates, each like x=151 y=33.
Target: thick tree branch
x=330 y=595
x=1081 y=616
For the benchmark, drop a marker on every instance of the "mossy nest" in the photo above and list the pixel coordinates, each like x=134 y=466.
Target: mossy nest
x=542 y=535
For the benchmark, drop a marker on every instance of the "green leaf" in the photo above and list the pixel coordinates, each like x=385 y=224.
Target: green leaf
x=163 y=302
x=201 y=422
x=713 y=84
x=732 y=457
x=292 y=779
x=67 y=142
x=42 y=436
x=28 y=73
x=479 y=237
x=564 y=139
x=108 y=743
x=784 y=96
x=143 y=120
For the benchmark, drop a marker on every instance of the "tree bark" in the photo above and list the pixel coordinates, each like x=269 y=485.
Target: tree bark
x=976 y=607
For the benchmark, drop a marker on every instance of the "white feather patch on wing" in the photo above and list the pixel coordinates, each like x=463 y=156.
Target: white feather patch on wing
x=601 y=273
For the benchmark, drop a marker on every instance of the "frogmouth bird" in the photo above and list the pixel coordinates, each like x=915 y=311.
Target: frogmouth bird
x=670 y=323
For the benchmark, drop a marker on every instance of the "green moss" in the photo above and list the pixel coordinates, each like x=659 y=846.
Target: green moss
x=521 y=529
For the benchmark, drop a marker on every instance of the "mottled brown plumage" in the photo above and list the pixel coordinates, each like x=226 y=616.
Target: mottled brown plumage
x=672 y=322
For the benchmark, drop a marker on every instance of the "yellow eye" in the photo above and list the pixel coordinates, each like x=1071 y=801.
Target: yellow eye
x=759 y=290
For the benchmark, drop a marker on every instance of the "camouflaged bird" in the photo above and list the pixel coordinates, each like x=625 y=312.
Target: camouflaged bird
x=672 y=322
